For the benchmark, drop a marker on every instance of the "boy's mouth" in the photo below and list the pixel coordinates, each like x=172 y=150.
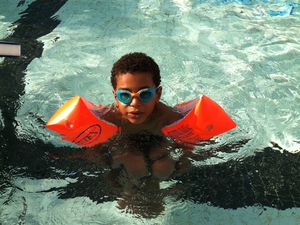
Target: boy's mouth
x=135 y=114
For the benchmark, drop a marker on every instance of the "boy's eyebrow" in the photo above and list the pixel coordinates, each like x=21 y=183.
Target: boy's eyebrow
x=144 y=87
x=128 y=89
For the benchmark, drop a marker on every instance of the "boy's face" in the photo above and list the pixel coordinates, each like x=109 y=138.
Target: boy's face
x=136 y=111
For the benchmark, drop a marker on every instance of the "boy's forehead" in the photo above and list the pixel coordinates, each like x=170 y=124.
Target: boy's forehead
x=135 y=80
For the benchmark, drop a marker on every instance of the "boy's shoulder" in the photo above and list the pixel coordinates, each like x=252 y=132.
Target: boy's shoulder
x=111 y=114
x=167 y=114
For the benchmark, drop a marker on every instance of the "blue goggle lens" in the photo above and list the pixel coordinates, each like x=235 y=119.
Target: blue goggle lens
x=124 y=97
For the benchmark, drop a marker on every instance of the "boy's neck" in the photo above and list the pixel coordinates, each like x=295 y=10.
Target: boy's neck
x=151 y=124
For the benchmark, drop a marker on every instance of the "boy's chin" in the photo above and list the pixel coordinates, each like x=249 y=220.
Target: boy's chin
x=136 y=121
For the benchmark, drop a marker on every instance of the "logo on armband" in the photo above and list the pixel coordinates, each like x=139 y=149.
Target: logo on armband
x=88 y=135
x=185 y=134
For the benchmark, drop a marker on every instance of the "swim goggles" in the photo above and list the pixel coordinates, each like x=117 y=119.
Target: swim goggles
x=145 y=95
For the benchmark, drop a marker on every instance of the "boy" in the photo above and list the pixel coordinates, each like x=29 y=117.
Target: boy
x=141 y=152
x=135 y=78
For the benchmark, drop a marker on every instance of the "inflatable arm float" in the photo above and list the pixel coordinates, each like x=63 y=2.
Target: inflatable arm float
x=203 y=119
x=78 y=122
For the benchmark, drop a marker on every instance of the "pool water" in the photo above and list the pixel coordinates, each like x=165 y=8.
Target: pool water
x=243 y=54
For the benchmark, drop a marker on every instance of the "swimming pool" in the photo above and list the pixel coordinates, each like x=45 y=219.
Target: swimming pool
x=243 y=54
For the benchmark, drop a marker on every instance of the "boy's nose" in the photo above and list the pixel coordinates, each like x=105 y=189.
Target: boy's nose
x=135 y=101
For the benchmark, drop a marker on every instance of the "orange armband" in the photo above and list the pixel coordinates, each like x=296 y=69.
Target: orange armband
x=77 y=122
x=203 y=119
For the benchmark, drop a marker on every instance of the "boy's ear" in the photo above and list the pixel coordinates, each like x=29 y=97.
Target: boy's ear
x=158 y=92
x=115 y=96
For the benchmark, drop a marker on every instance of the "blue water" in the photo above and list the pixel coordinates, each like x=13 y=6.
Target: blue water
x=238 y=54
x=243 y=54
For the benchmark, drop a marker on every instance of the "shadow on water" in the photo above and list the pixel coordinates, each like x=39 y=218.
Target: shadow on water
x=268 y=178
x=37 y=20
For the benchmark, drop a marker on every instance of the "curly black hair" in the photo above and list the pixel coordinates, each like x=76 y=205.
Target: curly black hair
x=135 y=62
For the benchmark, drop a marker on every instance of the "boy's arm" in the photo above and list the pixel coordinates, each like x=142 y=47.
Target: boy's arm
x=98 y=155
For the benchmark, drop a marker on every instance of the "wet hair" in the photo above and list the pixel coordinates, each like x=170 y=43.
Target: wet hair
x=135 y=62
